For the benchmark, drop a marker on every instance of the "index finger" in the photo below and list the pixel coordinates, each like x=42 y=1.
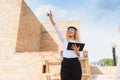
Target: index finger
x=50 y=12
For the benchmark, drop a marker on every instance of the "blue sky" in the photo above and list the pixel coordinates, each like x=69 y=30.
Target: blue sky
x=99 y=21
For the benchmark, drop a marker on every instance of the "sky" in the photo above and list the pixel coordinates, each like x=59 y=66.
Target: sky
x=99 y=22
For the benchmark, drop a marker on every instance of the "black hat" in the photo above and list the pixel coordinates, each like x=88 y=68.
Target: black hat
x=72 y=27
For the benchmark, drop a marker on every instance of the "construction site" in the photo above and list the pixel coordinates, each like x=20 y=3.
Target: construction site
x=31 y=50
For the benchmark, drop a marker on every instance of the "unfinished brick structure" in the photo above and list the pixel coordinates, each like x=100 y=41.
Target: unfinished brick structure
x=25 y=41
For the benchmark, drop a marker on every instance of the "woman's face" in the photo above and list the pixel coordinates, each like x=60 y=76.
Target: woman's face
x=71 y=32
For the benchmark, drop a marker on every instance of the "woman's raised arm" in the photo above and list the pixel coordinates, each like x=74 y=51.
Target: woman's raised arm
x=51 y=18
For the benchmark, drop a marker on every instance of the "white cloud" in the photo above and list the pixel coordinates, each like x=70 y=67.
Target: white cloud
x=58 y=13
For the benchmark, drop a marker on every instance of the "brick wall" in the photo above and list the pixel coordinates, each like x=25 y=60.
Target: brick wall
x=28 y=38
x=9 y=21
x=47 y=42
x=21 y=31
x=20 y=67
x=24 y=66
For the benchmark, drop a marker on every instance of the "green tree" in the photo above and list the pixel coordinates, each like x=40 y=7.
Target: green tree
x=107 y=61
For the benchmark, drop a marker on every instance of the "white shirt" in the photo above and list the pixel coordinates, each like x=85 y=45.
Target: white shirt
x=117 y=74
x=66 y=53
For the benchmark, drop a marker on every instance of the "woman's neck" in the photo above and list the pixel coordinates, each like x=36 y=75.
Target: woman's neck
x=72 y=38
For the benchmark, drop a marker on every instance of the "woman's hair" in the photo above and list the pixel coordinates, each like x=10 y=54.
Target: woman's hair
x=76 y=36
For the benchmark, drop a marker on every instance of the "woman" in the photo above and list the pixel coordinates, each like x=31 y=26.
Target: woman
x=70 y=66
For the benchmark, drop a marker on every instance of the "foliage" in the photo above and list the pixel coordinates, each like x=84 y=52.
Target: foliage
x=107 y=61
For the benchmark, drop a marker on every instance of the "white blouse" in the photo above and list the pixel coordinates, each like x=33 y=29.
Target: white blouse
x=66 y=53
x=117 y=73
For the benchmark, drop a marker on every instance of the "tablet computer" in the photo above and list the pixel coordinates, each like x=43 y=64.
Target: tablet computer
x=69 y=47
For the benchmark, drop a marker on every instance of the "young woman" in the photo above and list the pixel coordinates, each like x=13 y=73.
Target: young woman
x=70 y=66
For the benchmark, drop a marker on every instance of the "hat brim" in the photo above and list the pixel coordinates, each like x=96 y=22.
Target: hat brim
x=72 y=27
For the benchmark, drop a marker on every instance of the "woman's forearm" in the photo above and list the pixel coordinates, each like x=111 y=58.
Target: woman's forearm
x=52 y=21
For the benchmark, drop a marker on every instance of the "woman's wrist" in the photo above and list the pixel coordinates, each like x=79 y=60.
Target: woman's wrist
x=52 y=21
x=77 y=53
x=50 y=17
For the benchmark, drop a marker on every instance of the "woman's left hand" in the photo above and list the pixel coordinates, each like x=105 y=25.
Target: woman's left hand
x=76 y=49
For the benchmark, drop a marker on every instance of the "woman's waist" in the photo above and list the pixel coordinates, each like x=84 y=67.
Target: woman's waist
x=69 y=55
x=74 y=58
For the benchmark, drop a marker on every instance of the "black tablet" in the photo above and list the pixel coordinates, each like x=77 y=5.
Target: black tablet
x=69 y=47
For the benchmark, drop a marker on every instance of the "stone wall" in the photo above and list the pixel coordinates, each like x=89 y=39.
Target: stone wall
x=24 y=42
x=29 y=32
x=9 y=22
x=20 y=67
x=47 y=43
x=21 y=31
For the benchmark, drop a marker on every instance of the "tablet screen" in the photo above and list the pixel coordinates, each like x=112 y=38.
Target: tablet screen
x=69 y=47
